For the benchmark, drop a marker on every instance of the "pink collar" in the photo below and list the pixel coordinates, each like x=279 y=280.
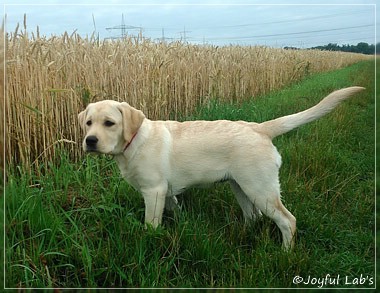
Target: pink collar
x=129 y=142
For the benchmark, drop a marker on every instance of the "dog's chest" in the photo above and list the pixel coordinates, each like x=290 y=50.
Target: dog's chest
x=129 y=172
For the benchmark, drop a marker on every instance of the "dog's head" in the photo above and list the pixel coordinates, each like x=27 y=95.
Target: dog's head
x=109 y=126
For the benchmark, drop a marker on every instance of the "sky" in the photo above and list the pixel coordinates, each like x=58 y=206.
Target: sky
x=293 y=23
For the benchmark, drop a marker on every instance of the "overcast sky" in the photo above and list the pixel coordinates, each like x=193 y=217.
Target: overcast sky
x=274 y=23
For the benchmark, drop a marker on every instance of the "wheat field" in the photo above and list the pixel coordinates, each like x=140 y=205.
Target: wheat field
x=50 y=80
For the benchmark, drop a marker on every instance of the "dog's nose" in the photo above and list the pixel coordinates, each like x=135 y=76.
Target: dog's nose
x=91 y=141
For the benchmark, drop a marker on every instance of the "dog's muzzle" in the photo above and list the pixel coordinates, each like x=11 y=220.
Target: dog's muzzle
x=91 y=142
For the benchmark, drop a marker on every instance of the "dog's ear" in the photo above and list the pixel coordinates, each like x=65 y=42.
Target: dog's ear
x=132 y=120
x=81 y=119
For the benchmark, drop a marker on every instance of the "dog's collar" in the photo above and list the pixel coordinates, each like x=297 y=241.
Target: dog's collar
x=129 y=142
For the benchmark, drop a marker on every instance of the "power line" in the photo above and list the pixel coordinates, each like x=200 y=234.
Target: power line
x=293 y=20
x=237 y=37
x=287 y=34
x=311 y=36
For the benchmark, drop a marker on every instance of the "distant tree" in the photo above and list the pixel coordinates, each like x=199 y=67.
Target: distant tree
x=371 y=49
x=333 y=47
x=378 y=48
x=363 y=48
x=291 y=48
x=346 y=48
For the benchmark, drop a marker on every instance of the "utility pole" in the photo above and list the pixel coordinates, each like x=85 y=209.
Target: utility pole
x=163 y=38
x=183 y=34
x=123 y=28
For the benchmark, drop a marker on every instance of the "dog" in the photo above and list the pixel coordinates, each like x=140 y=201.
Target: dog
x=163 y=158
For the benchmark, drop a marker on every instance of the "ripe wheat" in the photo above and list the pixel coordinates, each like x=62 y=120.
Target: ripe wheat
x=50 y=80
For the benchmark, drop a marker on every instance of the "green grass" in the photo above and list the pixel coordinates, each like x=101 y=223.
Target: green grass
x=80 y=224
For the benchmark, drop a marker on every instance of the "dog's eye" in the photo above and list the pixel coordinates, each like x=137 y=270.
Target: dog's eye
x=109 y=123
x=89 y=122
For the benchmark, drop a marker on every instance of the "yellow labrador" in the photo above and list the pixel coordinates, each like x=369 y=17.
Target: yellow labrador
x=163 y=158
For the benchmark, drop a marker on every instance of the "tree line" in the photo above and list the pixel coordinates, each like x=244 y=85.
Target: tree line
x=363 y=48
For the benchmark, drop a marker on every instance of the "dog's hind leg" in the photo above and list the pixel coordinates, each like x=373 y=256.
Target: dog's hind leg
x=250 y=212
x=266 y=197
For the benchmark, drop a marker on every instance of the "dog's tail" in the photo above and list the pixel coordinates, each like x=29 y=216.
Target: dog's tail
x=284 y=124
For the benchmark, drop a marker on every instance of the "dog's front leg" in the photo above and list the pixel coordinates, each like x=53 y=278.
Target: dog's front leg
x=154 y=205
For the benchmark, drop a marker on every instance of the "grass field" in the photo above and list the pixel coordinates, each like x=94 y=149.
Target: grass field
x=80 y=225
